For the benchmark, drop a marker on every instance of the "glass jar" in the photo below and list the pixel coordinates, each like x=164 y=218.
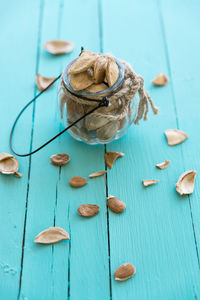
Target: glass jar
x=105 y=124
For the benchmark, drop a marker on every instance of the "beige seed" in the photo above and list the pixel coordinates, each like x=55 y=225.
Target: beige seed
x=160 y=80
x=84 y=134
x=124 y=271
x=8 y=164
x=51 y=235
x=115 y=204
x=4 y=156
x=110 y=158
x=60 y=159
x=175 y=136
x=163 y=165
x=100 y=69
x=77 y=181
x=81 y=81
x=74 y=129
x=112 y=72
x=93 y=122
x=58 y=47
x=108 y=131
x=97 y=174
x=43 y=82
x=149 y=182
x=88 y=210
x=186 y=181
x=95 y=88
x=83 y=62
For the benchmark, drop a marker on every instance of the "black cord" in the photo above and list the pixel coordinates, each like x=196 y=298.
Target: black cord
x=103 y=102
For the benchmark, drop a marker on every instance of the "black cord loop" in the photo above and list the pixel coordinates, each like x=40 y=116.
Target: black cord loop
x=103 y=102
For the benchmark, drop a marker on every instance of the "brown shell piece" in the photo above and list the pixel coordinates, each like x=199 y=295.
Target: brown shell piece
x=5 y=156
x=58 y=47
x=124 y=272
x=108 y=131
x=163 y=165
x=8 y=164
x=88 y=210
x=83 y=62
x=175 y=136
x=52 y=235
x=115 y=204
x=149 y=182
x=95 y=88
x=18 y=175
x=110 y=158
x=112 y=72
x=93 y=122
x=43 y=82
x=97 y=174
x=60 y=159
x=100 y=69
x=77 y=181
x=81 y=81
x=186 y=181
x=160 y=80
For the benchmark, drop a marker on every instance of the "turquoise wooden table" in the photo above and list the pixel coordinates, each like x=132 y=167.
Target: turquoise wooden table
x=160 y=231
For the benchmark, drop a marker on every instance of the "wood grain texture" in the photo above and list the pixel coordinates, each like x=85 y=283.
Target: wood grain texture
x=159 y=230
x=17 y=69
x=155 y=232
x=185 y=74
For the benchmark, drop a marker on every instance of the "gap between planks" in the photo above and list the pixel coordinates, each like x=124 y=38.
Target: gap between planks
x=100 y=16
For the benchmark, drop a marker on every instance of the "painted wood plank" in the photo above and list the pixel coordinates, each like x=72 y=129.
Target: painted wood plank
x=89 y=274
x=44 y=177
x=185 y=74
x=57 y=271
x=155 y=232
x=17 y=61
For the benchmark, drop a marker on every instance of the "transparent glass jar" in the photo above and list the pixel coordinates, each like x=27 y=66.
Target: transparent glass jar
x=106 y=123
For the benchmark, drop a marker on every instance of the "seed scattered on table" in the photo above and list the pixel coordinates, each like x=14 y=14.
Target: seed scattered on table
x=149 y=182
x=110 y=158
x=77 y=181
x=18 y=175
x=163 y=165
x=52 y=235
x=160 y=80
x=186 y=181
x=58 y=47
x=175 y=136
x=88 y=210
x=97 y=174
x=60 y=159
x=124 y=272
x=43 y=82
x=115 y=204
x=8 y=164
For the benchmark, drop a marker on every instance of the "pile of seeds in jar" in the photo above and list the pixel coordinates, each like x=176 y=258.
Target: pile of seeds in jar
x=93 y=73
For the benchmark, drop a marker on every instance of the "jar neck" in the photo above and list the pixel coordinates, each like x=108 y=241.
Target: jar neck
x=96 y=95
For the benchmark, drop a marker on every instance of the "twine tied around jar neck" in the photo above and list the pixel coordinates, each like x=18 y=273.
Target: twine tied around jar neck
x=130 y=85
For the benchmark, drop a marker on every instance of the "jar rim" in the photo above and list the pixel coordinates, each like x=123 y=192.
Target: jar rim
x=82 y=93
